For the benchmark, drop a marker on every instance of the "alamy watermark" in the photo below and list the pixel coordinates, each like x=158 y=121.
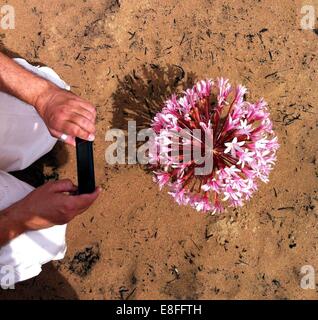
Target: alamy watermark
x=7 y=277
x=309 y=12
x=7 y=17
x=168 y=147
x=308 y=280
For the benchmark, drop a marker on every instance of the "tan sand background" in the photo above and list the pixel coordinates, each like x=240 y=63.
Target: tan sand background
x=126 y=57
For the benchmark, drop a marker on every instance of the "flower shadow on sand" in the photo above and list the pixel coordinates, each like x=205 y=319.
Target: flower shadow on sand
x=142 y=93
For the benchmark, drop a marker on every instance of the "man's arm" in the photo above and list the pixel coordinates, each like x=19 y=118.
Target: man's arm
x=21 y=83
x=49 y=205
x=62 y=111
x=9 y=227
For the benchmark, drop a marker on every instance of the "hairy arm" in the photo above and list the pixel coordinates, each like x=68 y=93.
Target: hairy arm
x=63 y=112
x=10 y=226
x=18 y=82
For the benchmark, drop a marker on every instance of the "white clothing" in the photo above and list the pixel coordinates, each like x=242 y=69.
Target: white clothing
x=24 y=138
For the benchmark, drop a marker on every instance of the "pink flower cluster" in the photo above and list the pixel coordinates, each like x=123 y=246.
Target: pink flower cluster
x=243 y=145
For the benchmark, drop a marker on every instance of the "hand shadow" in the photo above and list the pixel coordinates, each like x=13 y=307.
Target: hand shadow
x=44 y=169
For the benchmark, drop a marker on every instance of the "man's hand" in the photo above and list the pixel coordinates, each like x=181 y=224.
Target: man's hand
x=65 y=113
x=52 y=204
x=62 y=111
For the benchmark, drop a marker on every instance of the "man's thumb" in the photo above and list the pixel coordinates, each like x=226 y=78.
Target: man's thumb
x=65 y=185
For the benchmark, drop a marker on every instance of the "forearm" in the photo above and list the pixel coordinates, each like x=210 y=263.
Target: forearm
x=22 y=84
x=65 y=114
x=10 y=225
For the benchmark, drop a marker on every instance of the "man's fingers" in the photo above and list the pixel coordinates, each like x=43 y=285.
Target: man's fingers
x=69 y=139
x=65 y=185
x=84 y=113
x=82 y=202
x=75 y=130
x=83 y=122
x=88 y=106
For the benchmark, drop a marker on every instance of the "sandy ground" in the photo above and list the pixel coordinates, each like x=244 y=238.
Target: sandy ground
x=126 y=57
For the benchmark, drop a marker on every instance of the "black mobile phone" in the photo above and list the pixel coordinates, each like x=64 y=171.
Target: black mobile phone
x=85 y=166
